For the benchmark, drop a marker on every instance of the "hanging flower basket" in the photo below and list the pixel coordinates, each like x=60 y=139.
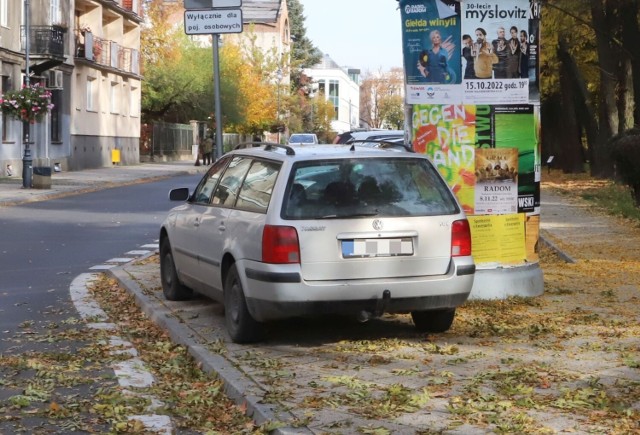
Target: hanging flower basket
x=30 y=103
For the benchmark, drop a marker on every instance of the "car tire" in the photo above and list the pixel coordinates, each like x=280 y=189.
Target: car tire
x=433 y=320
x=172 y=288
x=242 y=327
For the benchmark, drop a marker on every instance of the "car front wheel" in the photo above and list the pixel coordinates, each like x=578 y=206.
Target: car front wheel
x=433 y=320
x=241 y=326
x=171 y=286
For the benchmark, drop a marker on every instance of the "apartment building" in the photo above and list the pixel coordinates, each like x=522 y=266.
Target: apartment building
x=268 y=22
x=341 y=86
x=86 y=52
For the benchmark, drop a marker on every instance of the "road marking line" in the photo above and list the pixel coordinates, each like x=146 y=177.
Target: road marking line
x=103 y=267
x=130 y=373
x=138 y=252
x=120 y=260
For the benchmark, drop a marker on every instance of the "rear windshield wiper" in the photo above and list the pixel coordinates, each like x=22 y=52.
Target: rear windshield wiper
x=350 y=215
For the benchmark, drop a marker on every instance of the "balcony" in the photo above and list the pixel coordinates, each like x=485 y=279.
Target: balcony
x=47 y=41
x=106 y=54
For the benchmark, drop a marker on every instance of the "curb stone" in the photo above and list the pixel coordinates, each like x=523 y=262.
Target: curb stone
x=237 y=386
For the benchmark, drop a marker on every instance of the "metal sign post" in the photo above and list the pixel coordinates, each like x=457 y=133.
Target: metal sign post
x=208 y=4
x=213 y=17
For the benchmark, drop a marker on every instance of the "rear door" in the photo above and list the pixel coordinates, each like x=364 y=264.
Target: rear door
x=373 y=218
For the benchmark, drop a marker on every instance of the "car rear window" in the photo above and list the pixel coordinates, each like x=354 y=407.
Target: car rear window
x=325 y=189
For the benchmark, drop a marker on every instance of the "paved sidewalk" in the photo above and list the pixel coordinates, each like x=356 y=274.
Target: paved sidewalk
x=74 y=182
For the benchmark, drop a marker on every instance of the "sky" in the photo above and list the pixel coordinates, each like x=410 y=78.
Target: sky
x=364 y=34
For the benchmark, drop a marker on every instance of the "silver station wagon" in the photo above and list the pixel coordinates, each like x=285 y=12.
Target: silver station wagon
x=276 y=231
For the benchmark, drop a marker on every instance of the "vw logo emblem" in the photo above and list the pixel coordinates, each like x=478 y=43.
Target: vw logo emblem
x=377 y=224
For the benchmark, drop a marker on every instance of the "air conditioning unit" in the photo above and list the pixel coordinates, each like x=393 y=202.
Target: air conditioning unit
x=55 y=80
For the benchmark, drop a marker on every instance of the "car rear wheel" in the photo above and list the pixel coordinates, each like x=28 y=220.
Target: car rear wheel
x=171 y=286
x=433 y=320
x=241 y=326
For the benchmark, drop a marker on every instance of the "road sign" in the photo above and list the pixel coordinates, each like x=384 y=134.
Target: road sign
x=207 y=22
x=208 y=4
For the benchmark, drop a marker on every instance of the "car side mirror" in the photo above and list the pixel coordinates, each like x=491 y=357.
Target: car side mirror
x=180 y=194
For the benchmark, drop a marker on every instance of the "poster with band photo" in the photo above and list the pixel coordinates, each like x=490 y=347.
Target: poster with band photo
x=500 y=51
x=472 y=52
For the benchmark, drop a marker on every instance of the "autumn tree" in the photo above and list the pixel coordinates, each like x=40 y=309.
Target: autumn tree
x=590 y=78
x=382 y=99
x=174 y=87
x=303 y=53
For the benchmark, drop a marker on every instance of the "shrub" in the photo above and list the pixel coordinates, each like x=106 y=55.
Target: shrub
x=625 y=151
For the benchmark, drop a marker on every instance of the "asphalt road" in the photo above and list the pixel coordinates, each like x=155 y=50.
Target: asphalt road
x=44 y=245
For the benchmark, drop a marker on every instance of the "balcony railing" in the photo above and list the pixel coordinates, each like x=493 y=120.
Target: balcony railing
x=107 y=53
x=44 y=40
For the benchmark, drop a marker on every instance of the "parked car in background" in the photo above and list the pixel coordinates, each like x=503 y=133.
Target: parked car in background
x=282 y=231
x=303 y=138
x=349 y=136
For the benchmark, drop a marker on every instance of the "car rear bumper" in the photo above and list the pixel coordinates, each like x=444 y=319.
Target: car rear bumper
x=274 y=295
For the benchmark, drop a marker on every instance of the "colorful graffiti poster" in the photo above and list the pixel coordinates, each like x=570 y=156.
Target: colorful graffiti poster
x=500 y=51
x=496 y=190
x=431 y=41
x=446 y=133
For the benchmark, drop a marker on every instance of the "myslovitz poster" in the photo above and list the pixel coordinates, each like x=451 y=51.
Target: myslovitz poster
x=499 y=51
x=431 y=41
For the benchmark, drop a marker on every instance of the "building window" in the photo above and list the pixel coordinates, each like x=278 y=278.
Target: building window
x=134 y=110
x=91 y=89
x=4 y=12
x=56 y=122
x=54 y=11
x=334 y=96
x=113 y=98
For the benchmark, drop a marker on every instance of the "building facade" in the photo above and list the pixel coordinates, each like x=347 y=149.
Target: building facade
x=340 y=86
x=86 y=52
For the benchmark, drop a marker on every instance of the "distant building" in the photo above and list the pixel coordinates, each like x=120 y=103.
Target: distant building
x=269 y=21
x=340 y=86
x=87 y=53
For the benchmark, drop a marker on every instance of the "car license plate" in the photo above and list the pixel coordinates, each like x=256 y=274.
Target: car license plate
x=377 y=247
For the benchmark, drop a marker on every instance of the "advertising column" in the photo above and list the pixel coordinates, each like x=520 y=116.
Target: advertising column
x=471 y=74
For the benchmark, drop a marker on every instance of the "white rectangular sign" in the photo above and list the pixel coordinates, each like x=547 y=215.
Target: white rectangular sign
x=207 y=22
x=208 y=4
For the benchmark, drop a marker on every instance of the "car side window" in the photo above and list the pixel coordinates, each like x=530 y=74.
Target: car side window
x=202 y=194
x=258 y=186
x=227 y=190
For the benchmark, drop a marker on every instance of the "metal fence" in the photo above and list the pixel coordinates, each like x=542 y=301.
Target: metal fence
x=177 y=140
x=163 y=138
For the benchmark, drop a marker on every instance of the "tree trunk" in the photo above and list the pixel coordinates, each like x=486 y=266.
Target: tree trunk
x=603 y=18
x=569 y=131
x=630 y=37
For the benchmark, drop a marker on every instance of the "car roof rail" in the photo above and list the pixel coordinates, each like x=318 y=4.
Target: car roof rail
x=268 y=146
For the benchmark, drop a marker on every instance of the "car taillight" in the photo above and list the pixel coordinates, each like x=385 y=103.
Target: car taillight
x=280 y=245
x=460 y=238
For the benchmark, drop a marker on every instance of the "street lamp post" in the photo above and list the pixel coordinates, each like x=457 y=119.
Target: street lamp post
x=26 y=159
x=279 y=76
x=311 y=95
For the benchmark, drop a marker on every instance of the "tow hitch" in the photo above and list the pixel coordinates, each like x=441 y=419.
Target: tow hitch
x=381 y=306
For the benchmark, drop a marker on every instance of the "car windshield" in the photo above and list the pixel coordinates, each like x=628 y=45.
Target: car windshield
x=301 y=138
x=366 y=187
